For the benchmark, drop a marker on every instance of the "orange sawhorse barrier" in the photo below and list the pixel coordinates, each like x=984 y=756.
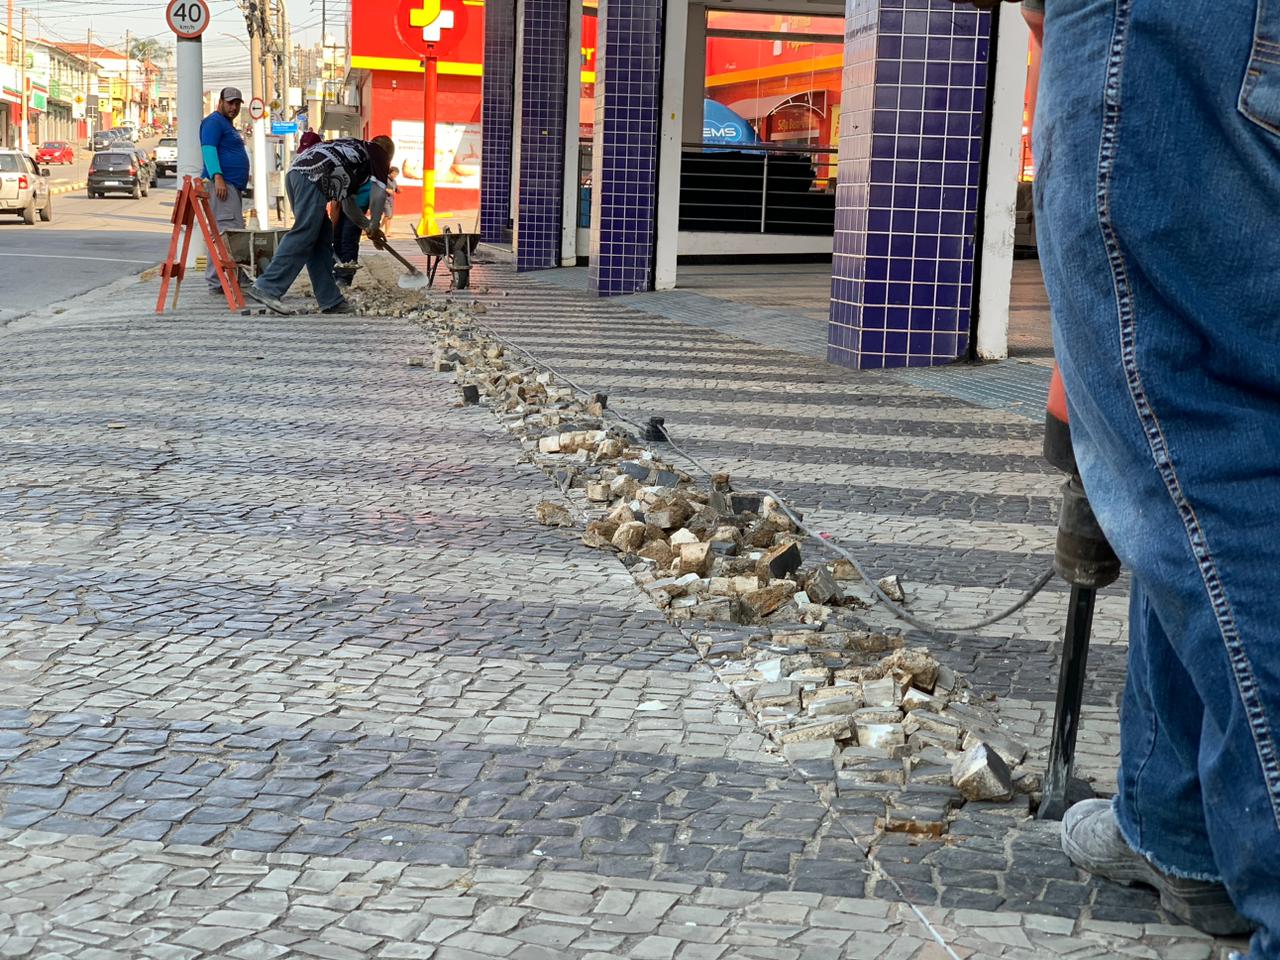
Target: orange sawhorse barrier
x=191 y=209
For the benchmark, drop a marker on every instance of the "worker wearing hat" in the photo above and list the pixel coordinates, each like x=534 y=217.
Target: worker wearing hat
x=226 y=164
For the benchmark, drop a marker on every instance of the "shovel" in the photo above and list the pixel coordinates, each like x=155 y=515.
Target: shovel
x=415 y=279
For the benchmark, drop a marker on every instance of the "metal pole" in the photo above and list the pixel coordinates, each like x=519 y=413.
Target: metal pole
x=89 y=75
x=430 y=88
x=286 y=78
x=1066 y=720
x=764 y=197
x=190 y=110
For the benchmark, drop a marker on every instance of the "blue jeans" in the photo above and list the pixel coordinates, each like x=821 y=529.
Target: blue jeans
x=309 y=244
x=1158 y=193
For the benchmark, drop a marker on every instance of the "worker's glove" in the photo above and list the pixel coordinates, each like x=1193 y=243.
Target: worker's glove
x=378 y=237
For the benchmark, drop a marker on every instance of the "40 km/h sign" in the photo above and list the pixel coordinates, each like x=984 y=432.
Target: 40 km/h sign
x=187 y=18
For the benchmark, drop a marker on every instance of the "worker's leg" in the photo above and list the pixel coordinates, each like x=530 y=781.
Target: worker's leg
x=346 y=246
x=1158 y=150
x=228 y=214
x=320 y=270
x=1160 y=791
x=297 y=246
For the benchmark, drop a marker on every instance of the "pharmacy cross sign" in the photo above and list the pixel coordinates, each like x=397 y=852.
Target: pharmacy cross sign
x=423 y=23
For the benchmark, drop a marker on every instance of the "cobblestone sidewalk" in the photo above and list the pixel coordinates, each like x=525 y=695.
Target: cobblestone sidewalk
x=287 y=669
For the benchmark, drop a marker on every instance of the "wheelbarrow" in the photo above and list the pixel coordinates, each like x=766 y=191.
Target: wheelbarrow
x=253 y=248
x=453 y=247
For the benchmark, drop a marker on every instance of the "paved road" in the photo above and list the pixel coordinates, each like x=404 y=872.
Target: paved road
x=89 y=244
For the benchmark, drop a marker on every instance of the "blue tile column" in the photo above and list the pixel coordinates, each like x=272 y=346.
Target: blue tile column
x=915 y=74
x=544 y=74
x=625 y=163
x=497 y=116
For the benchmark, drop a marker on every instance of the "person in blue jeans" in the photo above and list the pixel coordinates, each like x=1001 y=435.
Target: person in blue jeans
x=346 y=238
x=1157 y=143
x=329 y=171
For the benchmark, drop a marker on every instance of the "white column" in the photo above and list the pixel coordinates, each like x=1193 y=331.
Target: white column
x=1004 y=157
x=681 y=67
x=573 y=97
x=261 y=183
x=190 y=113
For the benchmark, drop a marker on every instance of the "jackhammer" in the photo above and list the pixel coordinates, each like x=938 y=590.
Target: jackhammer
x=1083 y=558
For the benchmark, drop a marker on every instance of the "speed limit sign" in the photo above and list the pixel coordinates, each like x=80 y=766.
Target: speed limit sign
x=257 y=109
x=188 y=18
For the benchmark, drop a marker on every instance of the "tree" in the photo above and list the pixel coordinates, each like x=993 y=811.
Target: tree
x=149 y=50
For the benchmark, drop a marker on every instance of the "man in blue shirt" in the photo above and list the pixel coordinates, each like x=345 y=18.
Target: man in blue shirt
x=226 y=163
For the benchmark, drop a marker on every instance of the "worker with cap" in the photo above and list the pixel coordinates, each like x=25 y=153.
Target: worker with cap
x=226 y=163
x=327 y=172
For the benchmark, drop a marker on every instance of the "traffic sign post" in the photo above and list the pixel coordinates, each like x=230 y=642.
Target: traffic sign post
x=187 y=18
x=257 y=109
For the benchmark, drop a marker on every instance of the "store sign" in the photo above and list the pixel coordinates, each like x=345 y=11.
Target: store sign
x=457 y=154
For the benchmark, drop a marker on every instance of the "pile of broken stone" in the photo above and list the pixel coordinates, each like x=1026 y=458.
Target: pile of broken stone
x=729 y=567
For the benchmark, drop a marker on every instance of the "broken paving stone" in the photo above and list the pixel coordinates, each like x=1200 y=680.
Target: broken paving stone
x=681 y=537
x=598 y=492
x=798 y=750
x=879 y=736
x=695 y=558
x=822 y=588
x=980 y=774
x=553 y=514
x=1011 y=751
x=417 y=362
x=884 y=692
x=780 y=693
x=761 y=603
x=659 y=552
x=831 y=729
x=779 y=562
x=892 y=588
x=630 y=537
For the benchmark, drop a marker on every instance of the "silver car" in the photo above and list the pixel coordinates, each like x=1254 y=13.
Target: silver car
x=24 y=187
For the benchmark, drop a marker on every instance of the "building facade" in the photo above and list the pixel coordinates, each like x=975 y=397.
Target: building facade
x=885 y=135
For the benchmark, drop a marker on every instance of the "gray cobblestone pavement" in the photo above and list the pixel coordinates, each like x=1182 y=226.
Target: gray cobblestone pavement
x=287 y=668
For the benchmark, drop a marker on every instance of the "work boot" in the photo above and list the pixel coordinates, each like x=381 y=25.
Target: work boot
x=342 y=306
x=275 y=303
x=1091 y=838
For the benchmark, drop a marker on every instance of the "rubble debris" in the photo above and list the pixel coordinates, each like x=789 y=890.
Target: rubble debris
x=779 y=628
x=980 y=774
x=892 y=587
x=553 y=514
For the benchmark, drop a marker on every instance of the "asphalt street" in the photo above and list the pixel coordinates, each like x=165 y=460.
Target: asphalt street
x=87 y=245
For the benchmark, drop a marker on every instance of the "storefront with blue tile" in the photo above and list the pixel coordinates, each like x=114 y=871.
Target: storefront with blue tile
x=907 y=190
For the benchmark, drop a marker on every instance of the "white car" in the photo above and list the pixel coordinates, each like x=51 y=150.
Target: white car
x=24 y=187
x=129 y=130
x=166 y=157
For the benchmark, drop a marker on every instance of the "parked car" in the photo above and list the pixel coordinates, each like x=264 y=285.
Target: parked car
x=146 y=163
x=117 y=171
x=128 y=131
x=56 y=151
x=167 y=157
x=102 y=140
x=24 y=187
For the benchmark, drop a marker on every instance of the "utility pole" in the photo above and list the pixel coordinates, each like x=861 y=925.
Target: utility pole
x=8 y=36
x=24 y=134
x=128 y=71
x=90 y=75
x=261 y=188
